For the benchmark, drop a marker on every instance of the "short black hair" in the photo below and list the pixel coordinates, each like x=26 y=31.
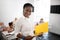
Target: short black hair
x=10 y=23
x=28 y=5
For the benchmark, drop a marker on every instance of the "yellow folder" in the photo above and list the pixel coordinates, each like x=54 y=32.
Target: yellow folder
x=43 y=27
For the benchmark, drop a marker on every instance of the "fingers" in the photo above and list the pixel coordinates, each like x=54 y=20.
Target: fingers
x=19 y=35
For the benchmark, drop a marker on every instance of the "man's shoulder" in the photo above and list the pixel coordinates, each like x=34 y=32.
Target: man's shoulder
x=20 y=19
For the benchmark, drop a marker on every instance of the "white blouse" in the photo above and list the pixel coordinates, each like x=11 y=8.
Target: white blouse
x=24 y=26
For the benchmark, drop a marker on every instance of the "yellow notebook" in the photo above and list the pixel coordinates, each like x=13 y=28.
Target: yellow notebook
x=43 y=27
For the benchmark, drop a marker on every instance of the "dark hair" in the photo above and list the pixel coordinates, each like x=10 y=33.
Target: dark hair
x=10 y=23
x=28 y=5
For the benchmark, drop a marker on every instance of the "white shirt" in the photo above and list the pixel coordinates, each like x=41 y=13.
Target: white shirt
x=25 y=26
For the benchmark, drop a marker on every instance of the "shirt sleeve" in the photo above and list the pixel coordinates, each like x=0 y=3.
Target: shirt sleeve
x=18 y=26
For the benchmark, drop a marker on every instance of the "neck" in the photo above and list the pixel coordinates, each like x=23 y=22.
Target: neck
x=26 y=16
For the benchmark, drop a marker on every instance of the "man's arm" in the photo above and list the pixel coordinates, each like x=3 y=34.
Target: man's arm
x=25 y=37
x=19 y=35
x=18 y=28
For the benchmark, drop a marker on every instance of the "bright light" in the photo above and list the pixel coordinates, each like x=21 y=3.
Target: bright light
x=42 y=9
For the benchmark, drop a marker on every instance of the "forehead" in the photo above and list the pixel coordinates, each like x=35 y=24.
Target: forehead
x=28 y=8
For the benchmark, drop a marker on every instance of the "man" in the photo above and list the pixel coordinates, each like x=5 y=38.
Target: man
x=41 y=20
x=24 y=27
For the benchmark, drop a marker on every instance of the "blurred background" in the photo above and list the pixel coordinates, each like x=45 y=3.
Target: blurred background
x=11 y=9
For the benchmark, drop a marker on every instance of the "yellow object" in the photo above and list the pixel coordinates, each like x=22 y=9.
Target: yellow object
x=43 y=27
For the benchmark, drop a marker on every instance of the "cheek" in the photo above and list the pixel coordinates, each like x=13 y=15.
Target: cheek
x=25 y=12
x=29 y=13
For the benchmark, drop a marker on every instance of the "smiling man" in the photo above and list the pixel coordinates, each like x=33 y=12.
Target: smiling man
x=24 y=25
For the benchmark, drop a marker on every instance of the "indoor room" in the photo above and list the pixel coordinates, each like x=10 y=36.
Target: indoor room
x=29 y=20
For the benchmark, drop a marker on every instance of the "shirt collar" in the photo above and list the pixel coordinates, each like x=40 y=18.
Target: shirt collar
x=25 y=18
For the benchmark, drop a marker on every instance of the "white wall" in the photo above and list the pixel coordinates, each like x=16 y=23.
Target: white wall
x=54 y=21
x=9 y=9
x=55 y=2
x=42 y=9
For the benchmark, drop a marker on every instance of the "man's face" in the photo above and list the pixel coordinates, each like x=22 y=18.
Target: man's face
x=27 y=11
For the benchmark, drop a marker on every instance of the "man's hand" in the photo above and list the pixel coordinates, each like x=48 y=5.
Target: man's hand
x=4 y=29
x=29 y=37
x=9 y=31
x=19 y=35
x=40 y=34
